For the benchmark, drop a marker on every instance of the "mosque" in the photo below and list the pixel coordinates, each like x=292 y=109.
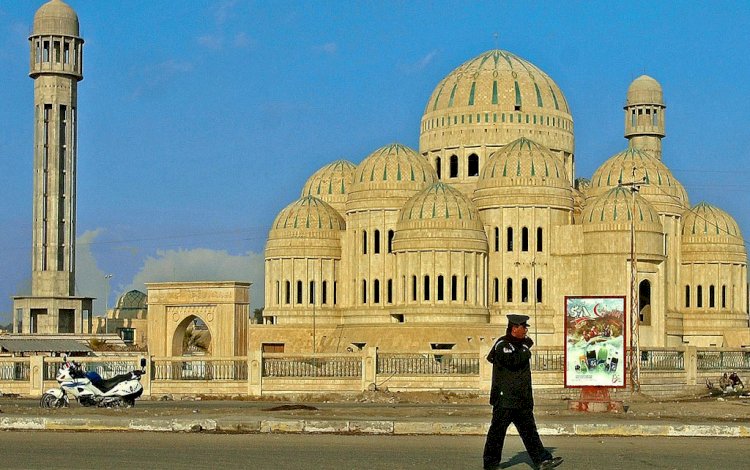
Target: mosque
x=430 y=249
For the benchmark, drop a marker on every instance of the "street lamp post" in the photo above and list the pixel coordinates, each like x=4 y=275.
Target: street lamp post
x=107 y=277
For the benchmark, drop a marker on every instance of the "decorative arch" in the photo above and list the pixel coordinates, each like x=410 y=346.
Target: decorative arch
x=192 y=337
x=644 y=302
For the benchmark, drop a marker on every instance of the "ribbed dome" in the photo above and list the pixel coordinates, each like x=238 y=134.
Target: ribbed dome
x=55 y=17
x=644 y=90
x=308 y=213
x=662 y=189
x=523 y=172
x=615 y=207
x=497 y=89
x=133 y=299
x=331 y=183
x=388 y=177
x=705 y=220
x=443 y=204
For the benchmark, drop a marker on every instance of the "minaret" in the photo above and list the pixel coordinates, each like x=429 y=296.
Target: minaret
x=56 y=66
x=644 y=115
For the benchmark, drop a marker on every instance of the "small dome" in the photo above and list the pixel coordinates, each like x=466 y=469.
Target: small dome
x=644 y=90
x=133 y=299
x=331 y=183
x=705 y=220
x=388 y=177
x=310 y=213
x=443 y=204
x=662 y=188
x=55 y=17
x=615 y=207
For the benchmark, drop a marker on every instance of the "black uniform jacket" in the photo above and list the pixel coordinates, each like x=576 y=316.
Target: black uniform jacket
x=511 y=374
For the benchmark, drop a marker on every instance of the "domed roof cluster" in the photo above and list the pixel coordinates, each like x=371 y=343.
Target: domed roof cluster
x=56 y=17
x=661 y=188
x=133 y=299
x=497 y=78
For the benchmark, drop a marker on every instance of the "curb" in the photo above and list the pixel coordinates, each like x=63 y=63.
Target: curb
x=381 y=427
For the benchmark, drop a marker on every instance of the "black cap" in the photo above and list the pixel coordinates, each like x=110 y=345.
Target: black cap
x=515 y=319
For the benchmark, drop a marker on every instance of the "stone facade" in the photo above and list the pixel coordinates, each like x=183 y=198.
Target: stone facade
x=427 y=249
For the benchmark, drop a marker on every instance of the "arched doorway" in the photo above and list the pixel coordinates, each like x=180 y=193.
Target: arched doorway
x=644 y=302
x=192 y=337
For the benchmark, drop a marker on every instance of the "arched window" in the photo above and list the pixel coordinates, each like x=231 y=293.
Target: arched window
x=453 y=166
x=711 y=296
x=311 y=293
x=427 y=287
x=364 y=242
x=524 y=290
x=390 y=291
x=644 y=302
x=525 y=239
x=496 y=290
x=438 y=166
x=699 y=297
x=509 y=290
x=335 y=286
x=364 y=291
x=299 y=292
x=539 y=244
x=497 y=238
x=687 y=296
x=509 y=239
x=287 y=292
x=539 y=290
x=324 y=293
x=376 y=291
x=278 y=293
x=414 y=288
x=473 y=165
x=376 y=242
x=454 y=288
x=466 y=288
x=724 y=296
x=390 y=241
x=440 y=288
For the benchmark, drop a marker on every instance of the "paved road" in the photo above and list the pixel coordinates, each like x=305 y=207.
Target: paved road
x=66 y=450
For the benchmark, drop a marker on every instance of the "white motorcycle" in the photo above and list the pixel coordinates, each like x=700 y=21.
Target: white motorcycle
x=89 y=389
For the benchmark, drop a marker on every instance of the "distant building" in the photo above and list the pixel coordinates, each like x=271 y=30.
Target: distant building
x=430 y=249
x=56 y=66
x=128 y=319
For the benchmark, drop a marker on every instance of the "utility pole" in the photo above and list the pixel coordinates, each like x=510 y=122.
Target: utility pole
x=635 y=351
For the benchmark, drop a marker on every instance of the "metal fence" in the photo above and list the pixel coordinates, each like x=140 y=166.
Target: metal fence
x=547 y=359
x=16 y=370
x=428 y=364
x=312 y=366
x=662 y=360
x=723 y=360
x=213 y=369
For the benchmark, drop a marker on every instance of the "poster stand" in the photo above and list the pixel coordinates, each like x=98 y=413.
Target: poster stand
x=596 y=400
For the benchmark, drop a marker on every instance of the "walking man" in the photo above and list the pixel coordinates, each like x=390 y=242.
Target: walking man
x=511 y=397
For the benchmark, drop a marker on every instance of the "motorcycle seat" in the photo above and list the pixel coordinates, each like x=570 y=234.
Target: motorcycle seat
x=109 y=384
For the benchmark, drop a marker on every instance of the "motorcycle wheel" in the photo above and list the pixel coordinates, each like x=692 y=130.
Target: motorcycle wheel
x=50 y=401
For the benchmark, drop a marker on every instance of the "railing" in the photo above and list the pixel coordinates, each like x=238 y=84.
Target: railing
x=199 y=369
x=547 y=359
x=105 y=367
x=428 y=364
x=723 y=360
x=662 y=360
x=281 y=365
x=17 y=370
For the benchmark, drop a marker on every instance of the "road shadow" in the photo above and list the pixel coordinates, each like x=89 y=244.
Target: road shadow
x=523 y=458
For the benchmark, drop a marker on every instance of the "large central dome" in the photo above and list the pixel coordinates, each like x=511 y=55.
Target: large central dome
x=486 y=103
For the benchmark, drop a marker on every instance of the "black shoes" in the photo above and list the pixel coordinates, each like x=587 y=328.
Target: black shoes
x=550 y=463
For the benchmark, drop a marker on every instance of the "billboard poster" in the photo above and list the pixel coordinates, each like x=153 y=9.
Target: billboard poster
x=595 y=341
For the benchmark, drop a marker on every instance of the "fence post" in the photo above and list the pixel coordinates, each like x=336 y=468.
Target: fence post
x=369 y=367
x=146 y=377
x=485 y=368
x=691 y=365
x=255 y=372
x=36 y=376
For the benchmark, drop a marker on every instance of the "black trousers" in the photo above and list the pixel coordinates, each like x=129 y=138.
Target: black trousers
x=523 y=419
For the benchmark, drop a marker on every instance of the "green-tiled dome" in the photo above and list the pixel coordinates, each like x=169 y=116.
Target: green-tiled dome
x=661 y=189
x=616 y=207
x=310 y=214
x=524 y=158
x=394 y=163
x=705 y=220
x=331 y=183
x=441 y=202
x=133 y=299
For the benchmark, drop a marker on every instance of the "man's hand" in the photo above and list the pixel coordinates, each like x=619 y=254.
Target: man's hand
x=528 y=342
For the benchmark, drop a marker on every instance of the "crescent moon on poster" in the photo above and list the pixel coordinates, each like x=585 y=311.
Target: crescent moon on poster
x=596 y=310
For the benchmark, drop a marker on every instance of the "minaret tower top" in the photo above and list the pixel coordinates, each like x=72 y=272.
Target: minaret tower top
x=56 y=46
x=644 y=115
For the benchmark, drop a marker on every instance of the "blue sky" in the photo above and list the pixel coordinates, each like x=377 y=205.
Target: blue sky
x=199 y=121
